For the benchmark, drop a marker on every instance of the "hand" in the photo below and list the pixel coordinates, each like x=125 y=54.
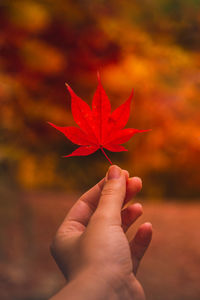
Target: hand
x=92 y=237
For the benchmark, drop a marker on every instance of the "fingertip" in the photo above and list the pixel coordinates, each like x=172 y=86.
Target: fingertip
x=138 y=182
x=126 y=173
x=114 y=172
x=147 y=226
x=134 y=185
x=138 y=206
x=144 y=234
x=134 y=209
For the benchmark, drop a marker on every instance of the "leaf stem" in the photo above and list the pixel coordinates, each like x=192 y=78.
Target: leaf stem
x=106 y=155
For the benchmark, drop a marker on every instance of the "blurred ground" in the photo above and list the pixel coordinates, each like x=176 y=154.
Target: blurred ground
x=27 y=271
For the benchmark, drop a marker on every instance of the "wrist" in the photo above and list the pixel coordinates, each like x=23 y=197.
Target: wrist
x=89 y=284
x=108 y=283
x=96 y=282
x=105 y=283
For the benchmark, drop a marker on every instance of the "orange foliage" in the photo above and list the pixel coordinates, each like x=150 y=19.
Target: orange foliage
x=152 y=47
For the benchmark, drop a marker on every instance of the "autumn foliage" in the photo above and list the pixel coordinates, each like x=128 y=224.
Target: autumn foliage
x=152 y=47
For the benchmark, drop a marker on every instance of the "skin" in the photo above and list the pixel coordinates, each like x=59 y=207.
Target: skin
x=91 y=247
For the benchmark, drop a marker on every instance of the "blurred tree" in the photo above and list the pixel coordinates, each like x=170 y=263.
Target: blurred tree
x=150 y=46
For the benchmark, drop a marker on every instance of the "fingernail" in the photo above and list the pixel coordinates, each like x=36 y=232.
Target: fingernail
x=138 y=205
x=137 y=179
x=148 y=224
x=126 y=173
x=138 y=183
x=114 y=172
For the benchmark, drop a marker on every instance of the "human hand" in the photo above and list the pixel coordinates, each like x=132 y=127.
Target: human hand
x=92 y=236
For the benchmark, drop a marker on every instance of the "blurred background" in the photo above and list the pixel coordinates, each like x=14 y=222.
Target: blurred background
x=151 y=46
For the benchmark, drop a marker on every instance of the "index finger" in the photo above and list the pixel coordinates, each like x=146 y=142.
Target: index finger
x=112 y=196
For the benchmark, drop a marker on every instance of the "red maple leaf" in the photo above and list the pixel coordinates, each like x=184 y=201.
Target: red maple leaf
x=98 y=127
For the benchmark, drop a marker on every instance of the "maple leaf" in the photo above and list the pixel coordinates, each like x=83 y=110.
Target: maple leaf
x=98 y=127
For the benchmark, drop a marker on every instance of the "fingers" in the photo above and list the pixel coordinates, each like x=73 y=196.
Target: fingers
x=132 y=212
x=87 y=203
x=112 y=196
x=134 y=185
x=130 y=215
x=80 y=213
x=140 y=243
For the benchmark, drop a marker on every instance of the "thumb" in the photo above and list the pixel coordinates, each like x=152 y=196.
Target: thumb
x=112 y=195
